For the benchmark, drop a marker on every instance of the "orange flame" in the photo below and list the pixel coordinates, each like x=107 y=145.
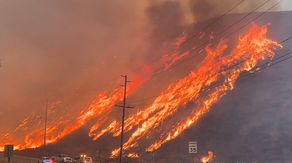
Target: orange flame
x=100 y=106
x=171 y=58
x=251 y=48
x=134 y=155
x=207 y=158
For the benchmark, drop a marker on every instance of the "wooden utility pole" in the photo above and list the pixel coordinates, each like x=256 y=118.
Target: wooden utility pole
x=45 y=132
x=123 y=115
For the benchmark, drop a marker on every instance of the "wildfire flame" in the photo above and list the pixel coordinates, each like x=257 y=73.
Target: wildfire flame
x=196 y=87
x=134 y=155
x=251 y=48
x=101 y=105
x=207 y=158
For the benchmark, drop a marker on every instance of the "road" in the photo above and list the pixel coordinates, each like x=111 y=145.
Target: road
x=19 y=159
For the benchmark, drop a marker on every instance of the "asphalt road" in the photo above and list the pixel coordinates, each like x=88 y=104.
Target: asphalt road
x=19 y=159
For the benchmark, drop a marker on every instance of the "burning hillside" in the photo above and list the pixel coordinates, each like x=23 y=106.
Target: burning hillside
x=167 y=115
x=251 y=48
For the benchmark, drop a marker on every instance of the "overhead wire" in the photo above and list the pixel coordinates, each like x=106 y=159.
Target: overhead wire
x=255 y=69
x=215 y=85
x=205 y=43
x=193 y=36
x=187 y=40
x=231 y=33
x=236 y=64
x=176 y=65
x=209 y=25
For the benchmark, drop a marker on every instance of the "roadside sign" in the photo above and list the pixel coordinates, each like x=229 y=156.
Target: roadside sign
x=193 y=147
x=8 y=151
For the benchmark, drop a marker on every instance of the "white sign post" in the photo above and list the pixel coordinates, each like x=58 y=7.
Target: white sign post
x=193 y=147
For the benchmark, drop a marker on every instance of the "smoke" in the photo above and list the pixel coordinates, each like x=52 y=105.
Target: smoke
x=70 y=50
x=56 y=49
x=167 y=19
x=165 y=25
x=161 y=28
x=206 y=9
x=251 y=123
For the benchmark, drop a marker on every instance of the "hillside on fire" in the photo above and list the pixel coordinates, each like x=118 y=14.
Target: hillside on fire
x=243 y=114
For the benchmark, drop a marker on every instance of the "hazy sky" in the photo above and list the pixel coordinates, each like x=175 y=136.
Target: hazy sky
x=70 y=49
x=52 y=47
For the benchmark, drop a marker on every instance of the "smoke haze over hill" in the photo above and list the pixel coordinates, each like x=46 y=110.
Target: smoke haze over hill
x=69 y=52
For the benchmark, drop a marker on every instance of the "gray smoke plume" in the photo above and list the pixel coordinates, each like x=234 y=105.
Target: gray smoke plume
x=205 y=9
x=67 y=50
x=70 y=50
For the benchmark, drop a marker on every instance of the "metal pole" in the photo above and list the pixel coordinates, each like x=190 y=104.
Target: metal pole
x=8 y=153
x=123 y=119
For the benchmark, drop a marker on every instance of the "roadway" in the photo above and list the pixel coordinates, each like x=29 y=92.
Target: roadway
x=19 y=159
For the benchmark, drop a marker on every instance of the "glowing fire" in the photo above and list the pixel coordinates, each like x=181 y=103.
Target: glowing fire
x=196 y=87
x=251 y=48
x=100 y=106
x=134 y=155
x=207 y=158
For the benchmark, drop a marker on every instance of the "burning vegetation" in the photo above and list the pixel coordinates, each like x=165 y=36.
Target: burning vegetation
x=215 y=75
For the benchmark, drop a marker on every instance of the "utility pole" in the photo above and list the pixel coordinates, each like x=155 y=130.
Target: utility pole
x=123 y=115
x=45 y=132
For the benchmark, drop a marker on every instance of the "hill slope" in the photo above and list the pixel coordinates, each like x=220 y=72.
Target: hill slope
x=252 y=122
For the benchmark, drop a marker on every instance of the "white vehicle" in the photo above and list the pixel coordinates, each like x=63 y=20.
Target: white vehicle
x=84 y=160
x=67 y=160
x=62 y=158
x=46 y=160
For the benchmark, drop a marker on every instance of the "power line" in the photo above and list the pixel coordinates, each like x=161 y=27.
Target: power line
x=190 y=38
x=161 y=70
x=193 y=36
x=176 y=65
x=215 y=85
x=259 y=66
x=255 y=69
x=148 y=98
